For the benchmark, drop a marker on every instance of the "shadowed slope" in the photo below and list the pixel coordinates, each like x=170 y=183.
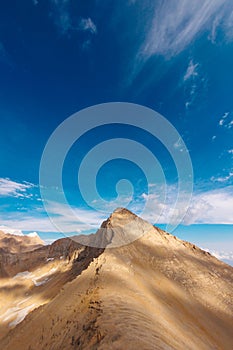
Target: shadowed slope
x=44 y=272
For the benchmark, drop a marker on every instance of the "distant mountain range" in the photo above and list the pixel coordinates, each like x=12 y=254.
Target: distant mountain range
x=129 y=286
x=13 y=243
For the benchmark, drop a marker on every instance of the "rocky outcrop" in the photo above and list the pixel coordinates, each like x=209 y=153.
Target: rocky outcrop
x=15 y=244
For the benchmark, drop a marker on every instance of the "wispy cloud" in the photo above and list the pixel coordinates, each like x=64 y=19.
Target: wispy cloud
x=9 y=188
x=67 y=220
x=61 y=15
x=213 y=33
x=86 y=24
x=191 y=71
x=11 y=231
x=211 y=207
x=27 y=222
x=221 y=255
x=226 y=121
x=75 y=218
x=66 y=22
x=225 y=178
x=177 y=23
x=193 y=82
x=228 y=24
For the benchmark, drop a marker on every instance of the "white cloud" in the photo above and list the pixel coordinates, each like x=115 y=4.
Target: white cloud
x=66 y=22
x=177 y=23
x=222 y=178
x=207 y=207
x=211 y=207
x=230 y=125
x=16 y=232
x=226 y=121
x=86 y=24
x=66 y=220
x=221 y=255
x=221 y=121
x=213 y=34
x=74 y=218
x=194 y=83
x=169 y=27
x=225 y=115
x=191 y=71
x=28 y=222
x=60 y=13
x=230 y=151
x=33 y=234
x=11 y=231
x=228 y=25
x=9 y=188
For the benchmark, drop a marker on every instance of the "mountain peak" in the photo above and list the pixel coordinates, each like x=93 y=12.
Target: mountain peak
x=122 y=211
x=118 y=217
x=121 y=228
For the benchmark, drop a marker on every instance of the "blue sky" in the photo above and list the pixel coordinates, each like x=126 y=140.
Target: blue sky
x=58 y=57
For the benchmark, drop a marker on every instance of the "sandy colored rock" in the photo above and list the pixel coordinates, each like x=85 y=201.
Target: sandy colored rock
x=157 y=292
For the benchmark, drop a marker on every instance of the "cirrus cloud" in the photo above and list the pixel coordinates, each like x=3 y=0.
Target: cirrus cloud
x=9 y=188
x=177 y=23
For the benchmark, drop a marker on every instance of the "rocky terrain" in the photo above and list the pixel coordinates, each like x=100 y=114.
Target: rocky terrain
x=158 y=292
x=10 y=243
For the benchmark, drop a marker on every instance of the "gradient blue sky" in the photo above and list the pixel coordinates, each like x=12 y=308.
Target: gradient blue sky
x=60 y=56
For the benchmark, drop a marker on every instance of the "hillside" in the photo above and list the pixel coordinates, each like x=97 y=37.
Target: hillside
x=10 y=243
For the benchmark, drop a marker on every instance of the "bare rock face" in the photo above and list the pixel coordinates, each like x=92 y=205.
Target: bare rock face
x=12 y=248
x=29 y=259
x=150 y=291
x=121 y=228
x=18 y=244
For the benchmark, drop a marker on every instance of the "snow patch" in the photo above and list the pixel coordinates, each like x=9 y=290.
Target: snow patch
x=17 y=313
x=21 y=314
x=11 y=231
x=50 y=259
x=39 y=283
x=24 y=274
x=37 y=280
x=33 y=234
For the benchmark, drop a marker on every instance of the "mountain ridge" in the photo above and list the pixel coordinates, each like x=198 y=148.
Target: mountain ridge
x=157 y=292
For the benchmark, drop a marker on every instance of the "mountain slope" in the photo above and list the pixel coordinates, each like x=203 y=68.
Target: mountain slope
x=156 y=293
x=10 y=243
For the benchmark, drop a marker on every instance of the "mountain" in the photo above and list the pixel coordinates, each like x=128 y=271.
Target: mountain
x=15 y=243
x=157 y=292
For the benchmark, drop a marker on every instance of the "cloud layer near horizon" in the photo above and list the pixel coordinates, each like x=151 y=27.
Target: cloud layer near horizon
x=206 y=207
